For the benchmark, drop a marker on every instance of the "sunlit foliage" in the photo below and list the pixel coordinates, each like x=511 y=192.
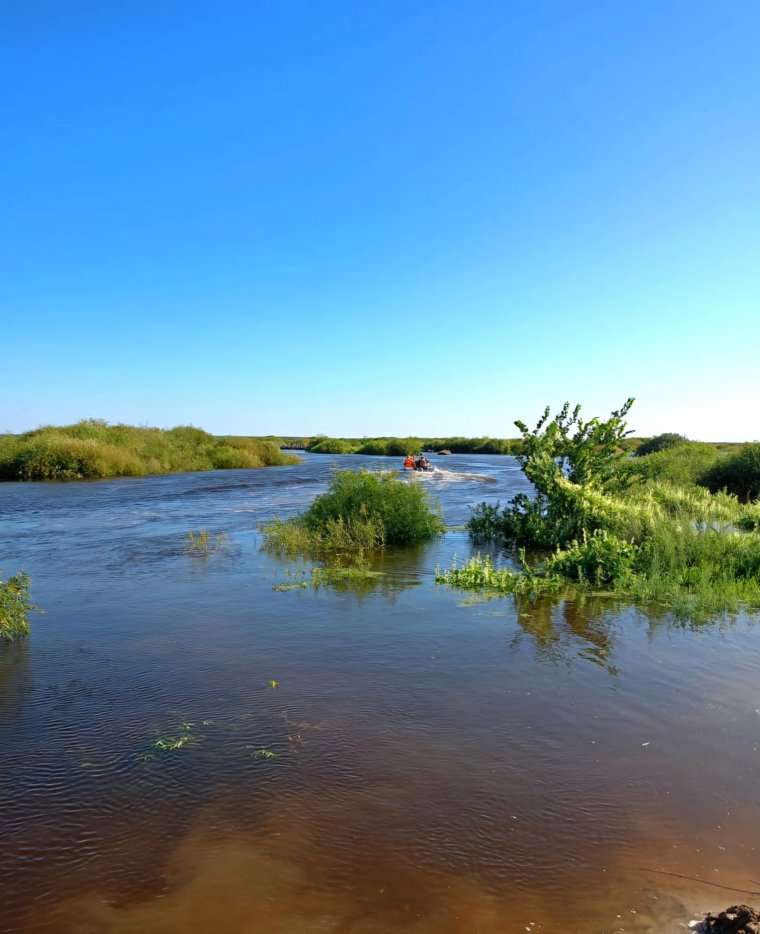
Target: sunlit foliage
x=93 y=448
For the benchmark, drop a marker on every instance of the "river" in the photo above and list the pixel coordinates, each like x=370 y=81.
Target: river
x=425 y=763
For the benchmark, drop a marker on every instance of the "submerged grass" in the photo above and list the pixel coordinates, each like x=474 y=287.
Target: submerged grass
x=203 y=543
x=92 y=449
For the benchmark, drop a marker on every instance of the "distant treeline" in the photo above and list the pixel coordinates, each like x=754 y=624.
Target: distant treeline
x=400 y=447
x=93 y=448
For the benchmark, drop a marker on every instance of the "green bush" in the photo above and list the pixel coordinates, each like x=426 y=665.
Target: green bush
x=359 y=512
x=401 y=511
x=600 y=559
x=659 y=443
x=738 y=473
x=683 y=464
x=14 y=607
x=332 y=446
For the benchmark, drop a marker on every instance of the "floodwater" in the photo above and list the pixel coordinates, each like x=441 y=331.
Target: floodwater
x=426 y=763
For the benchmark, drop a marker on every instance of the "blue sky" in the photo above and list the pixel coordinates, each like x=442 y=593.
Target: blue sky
x=380 y=218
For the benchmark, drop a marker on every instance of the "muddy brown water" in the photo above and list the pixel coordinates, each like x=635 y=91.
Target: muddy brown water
x=443 y=764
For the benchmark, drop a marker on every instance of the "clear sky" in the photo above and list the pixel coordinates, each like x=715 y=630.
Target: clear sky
x=370 y=218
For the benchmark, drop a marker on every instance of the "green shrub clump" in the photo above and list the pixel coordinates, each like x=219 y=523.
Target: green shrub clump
x=737 y=473
x=683 y=464
x=14 y=607
x=95 y=449
x=659 y=443
x=360 y=511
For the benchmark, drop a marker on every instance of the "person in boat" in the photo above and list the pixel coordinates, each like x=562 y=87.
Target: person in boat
x=421 y=462
x=409 y=462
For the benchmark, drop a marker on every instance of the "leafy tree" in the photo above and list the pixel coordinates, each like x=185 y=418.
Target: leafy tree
x=585 y=453
x=564 y=458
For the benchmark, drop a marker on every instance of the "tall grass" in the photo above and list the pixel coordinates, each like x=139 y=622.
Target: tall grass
x=93 y=449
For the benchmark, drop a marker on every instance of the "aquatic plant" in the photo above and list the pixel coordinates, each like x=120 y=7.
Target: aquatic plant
x=179 y=738
x=15 y=607
x=264 y=753
x=203 y=543
x=336 y=575
x=479 y=574
x=93 y=448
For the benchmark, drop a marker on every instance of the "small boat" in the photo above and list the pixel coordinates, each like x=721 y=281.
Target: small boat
x=417 y=463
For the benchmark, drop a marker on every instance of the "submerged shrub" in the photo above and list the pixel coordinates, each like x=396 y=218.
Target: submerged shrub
x=400 y=512
x=360 y=511
x=600 y=559
x=14 y=607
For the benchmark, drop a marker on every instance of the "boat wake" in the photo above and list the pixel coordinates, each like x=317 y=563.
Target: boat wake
x=446 y=477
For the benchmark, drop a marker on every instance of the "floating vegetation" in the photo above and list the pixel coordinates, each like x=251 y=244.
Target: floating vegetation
x=334 y=575
x=297 y=580
x=355 y=574
x=203 y=543
x=263 y=753
x=180 y=738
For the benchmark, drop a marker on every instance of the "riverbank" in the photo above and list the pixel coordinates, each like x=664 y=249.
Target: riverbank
x=93 y=449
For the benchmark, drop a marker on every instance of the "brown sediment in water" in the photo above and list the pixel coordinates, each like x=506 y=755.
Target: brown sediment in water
x=323 y=864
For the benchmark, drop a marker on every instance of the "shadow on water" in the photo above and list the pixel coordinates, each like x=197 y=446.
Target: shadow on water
x=15 y=679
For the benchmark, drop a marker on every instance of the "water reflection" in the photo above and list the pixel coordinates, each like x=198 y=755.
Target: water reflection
x=565 y=628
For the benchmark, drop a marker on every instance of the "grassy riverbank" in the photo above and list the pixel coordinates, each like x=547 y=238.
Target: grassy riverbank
x=93 y=449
